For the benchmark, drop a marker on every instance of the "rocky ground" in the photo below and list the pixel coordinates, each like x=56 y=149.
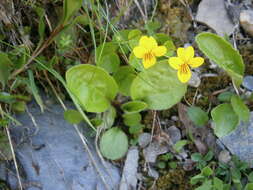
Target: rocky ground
x=51 y=153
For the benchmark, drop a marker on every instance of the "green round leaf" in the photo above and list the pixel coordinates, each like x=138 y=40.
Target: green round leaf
x=217 y=183
x=124 y=78
x=250 y=177
x=121 y=39
x=161 y=38
x=222 y=53
x=135 y=62
x=70 y=7
x=170 y=48
x=114 y=144
x=110 y=62
x=133 y=37
x=197 y=115
x=240 y=108
x=196 y=157
x=132 y=119
x=152 y=26
x=73 y=116
x=134 y=106
x=121 y=36
x=225 y=96
x=179 y=145
x=225 y=119
x=136 y=129
x=207 y=171
x=158 y=86
x=92 y=86
x=196 y=179
x=104 y=49
x=249 y=186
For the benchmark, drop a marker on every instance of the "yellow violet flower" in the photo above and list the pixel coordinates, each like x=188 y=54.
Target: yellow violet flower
x=185 y=58
x=148 y=50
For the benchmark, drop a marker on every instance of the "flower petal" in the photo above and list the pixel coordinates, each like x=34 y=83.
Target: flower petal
x=181 y=52
x=189 y=52
x=149 y=62
x=160 y=51
x=184 y=73
x=143 y=41
x=175 y=62
x=196 y=62
x=139 y=51
x=148 y=42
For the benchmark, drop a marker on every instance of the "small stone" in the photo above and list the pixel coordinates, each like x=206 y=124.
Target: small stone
x=153 y=173
x=240 y=141
x=188 y=165
x=246 y=20
x=174 y=118
x=144 y=139
x=195 y=80
x=201 y=146
x=214 y=14
x=153 y=150
x=213 y=65
x=174 y=133
x=224 y=157
x=129 y=175
x=248 y=82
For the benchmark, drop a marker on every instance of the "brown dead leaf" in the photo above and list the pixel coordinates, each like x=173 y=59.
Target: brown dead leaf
x=201 y=146
x=199 y=134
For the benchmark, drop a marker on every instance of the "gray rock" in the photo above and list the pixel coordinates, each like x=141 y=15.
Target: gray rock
x=52 y=155
x=195 y=80
x=174 y=133
x=129 y=175
x=224 y=157
x=240 y=141
x=213 y=13
x=144 y=139
x=246 y=21
x=153 y=173
x=153 y=150
x=248 y=82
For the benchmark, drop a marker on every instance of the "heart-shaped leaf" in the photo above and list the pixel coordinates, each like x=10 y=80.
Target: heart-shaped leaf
x=134 y=106
x=225 y=119
x=197 y=115
x=109 y=62
x=124 y=78
x=114 y=144
x=158 y=86
x=222 y=53
x=93 y=87
x=240 y=108
x=132 y=119
x=69 y=9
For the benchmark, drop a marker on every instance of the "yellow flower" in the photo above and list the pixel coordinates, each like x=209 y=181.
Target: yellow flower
x=185 y=58
x=148 y=50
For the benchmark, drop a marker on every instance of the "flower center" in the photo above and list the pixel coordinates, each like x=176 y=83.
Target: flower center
x=183 y=68
x=148 y=56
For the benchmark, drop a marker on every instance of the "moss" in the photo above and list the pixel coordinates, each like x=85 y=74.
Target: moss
x=247 y=55
x=174 y=180
x=207 y=87
x=176 y=20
